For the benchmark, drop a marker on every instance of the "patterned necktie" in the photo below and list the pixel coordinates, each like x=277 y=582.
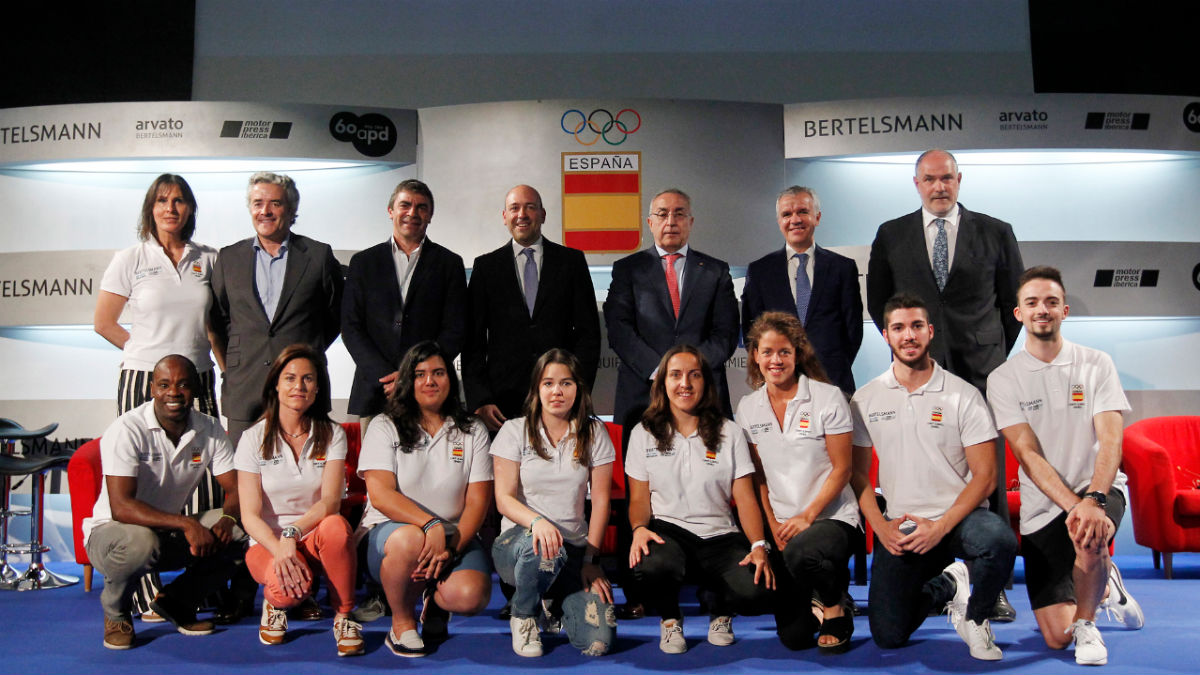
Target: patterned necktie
x=673 y=281
x=941 y=254
x=803 y=289
x=530 y=275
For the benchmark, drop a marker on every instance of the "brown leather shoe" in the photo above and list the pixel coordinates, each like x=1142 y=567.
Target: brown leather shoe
x=273 y=625
x=118 y=634
x=308 y=610
x=181 y=615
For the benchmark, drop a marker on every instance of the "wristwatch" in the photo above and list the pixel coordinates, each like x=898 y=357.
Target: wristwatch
x=763 y=544
x=290 y=532
x=1100 y=498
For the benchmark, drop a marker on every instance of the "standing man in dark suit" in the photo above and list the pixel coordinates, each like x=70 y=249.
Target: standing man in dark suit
x=965 y=266
x=526 y=297
x=398 y=293
x=663 y=296
x=825 y=298
x=271 y=290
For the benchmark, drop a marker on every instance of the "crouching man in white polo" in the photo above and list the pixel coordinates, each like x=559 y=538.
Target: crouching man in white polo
x=935 y=440
x=153 y=456
x=1059 y=404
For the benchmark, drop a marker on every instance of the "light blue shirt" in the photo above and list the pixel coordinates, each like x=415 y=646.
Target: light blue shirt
x=268 y=275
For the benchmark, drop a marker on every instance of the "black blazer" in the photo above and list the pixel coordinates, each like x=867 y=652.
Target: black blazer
x=377 y=330
x=835 y=311
x=504 y=342
x=642 y=326
x=308 y=311
x=973 y=324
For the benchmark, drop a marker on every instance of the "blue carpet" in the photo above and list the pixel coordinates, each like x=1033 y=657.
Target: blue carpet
x=60 y=632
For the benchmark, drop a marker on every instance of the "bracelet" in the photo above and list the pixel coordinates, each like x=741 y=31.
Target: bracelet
x=534 y=522
x=636 y=527
x=761 y=543
x=226 y=515
x=433 y=522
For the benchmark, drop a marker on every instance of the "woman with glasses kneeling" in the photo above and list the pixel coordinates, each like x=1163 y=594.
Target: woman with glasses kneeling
x=544 y=464
x=429 y=486
x=291 y=473
x=685 y=463
x=800 y=427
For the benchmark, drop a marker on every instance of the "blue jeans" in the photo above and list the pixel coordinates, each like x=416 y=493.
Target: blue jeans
x=589 y=621
x=904 y=588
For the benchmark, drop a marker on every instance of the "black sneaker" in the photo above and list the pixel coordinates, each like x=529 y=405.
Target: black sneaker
x=181 y=615
x=435 y=621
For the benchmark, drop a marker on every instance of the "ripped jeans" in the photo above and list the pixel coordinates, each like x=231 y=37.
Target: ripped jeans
x=589 y=621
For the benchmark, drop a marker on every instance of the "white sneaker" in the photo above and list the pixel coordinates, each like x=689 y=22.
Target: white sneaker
x=526 y=641
x=1119 y=604
x=720 y=631
x=980 y=640
x=957 y=607
x=671 y=640
x=1089 y=646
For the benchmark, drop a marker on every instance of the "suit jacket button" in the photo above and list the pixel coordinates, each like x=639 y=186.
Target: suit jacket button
x=267 y=364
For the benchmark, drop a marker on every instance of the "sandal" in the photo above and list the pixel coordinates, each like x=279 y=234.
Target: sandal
x=840 y=627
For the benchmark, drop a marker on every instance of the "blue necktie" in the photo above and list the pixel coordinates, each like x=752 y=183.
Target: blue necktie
x=803 y=289
x=941 y=254
x=530 y=275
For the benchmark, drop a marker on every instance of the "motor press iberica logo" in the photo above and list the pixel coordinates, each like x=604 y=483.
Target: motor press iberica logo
x=602 y=201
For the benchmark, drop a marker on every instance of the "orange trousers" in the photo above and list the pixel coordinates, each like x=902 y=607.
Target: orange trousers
x=329 y=547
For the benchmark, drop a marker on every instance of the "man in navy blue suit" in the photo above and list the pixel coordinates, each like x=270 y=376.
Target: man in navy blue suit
x=826 y=297
x=663 y=296
x=398 y=293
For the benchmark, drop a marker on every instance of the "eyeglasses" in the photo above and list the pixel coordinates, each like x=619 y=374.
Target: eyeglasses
x=663 y=214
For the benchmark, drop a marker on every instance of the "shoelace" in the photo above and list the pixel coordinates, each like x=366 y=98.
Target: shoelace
x=529 y=631
x=672 y=630
x=122 y=626
x=347 y=629
x=276 y=619
x=722 y=624
x=1083 y=636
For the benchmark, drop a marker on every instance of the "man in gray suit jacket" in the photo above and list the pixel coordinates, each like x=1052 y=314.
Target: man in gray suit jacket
x=271 y=290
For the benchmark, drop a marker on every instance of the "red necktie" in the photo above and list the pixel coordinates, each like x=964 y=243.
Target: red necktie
x=673 y=281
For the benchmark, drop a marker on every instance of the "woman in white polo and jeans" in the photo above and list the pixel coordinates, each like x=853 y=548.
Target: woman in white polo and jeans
x=545 y=463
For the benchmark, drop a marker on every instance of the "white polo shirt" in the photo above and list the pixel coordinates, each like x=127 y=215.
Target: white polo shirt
x=136 y=445
x=556 y=488
x=1059 y=400
x=434 y=474
x=691 y=486
x=919 y=438
x=289 y=488
x=795 y=460
x=167 y=304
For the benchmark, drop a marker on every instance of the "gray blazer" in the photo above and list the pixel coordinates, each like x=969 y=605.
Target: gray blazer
x=309 y=311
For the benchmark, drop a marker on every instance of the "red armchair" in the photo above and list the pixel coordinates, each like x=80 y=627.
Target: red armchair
x=84 y=475
x=1162 y=460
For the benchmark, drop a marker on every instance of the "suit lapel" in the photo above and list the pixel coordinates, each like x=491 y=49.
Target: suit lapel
x=653 y=272
x=551 y=260
x=820 y=277
x=422 y=274
x=914 y=241
x=962 y=242
x=296 y=265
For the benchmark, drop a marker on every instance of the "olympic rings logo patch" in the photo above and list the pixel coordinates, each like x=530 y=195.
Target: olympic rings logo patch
x=589 y=129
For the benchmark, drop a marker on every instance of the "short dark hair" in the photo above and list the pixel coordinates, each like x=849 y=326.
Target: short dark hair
x=903 y=300
x=147 y=228
x=1041 y=272
x=192 y=373
x=417 y=188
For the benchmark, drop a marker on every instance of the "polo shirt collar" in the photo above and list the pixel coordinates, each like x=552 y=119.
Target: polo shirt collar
x=1065 y=357
x=937 y=381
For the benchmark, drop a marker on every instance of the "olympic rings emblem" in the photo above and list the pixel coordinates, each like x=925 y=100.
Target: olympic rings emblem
x=592 y=127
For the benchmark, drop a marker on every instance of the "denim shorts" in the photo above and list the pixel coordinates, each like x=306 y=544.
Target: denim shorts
x=473 y=556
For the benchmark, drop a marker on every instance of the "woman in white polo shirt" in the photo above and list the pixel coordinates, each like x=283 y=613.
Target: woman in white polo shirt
x=291 y=473
x=164 y=280
x=429 y=486
x=544 y=464
x=800 y=428
x=686 y=463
